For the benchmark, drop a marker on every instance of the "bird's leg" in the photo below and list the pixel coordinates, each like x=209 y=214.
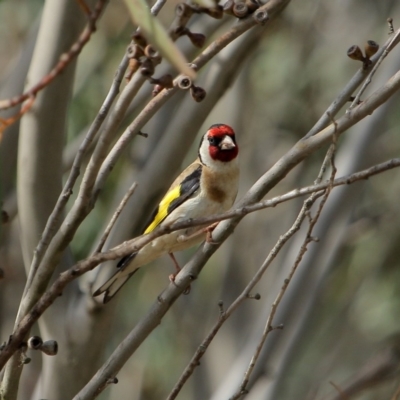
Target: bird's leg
x=209 y=230
x=178 y=269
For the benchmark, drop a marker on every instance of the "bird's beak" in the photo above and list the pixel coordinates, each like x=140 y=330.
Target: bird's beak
x=227 y=143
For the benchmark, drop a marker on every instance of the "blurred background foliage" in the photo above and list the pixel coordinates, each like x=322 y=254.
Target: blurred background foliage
x=294 y=70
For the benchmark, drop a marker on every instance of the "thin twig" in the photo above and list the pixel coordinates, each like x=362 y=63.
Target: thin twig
x=63 y=62
x=82 y=207
x=114 y=218
x=53 y=220
x=194 y=362
x=85 y=202
x=305 y=211
x=5 y=123
x=342 y=395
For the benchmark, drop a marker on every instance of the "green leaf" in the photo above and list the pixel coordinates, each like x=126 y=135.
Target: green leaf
x=158 y=36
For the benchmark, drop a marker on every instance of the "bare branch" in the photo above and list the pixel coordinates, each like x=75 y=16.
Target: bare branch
x=305 y=212
x=135 y=244
x=64 y=61
x=114 y=218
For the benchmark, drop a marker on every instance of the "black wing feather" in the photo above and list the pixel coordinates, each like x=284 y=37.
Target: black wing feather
x=188 y=186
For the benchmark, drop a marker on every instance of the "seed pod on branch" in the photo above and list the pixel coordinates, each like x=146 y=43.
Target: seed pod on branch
x=197 y=39
x=240 y=10
x=355 y=53
x=184 y=82
x=139 y=39
x=50 y=347
x=152 y=53
x=183 y=13
x=261 y=16
x=370 y=48
x=134 y=51
x=147 y=68
x=198 y=94
x=35 y=342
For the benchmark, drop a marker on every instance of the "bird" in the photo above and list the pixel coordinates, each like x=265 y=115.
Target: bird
x=206 y=187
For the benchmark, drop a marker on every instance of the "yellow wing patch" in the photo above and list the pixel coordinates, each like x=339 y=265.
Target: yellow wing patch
x=162 y=211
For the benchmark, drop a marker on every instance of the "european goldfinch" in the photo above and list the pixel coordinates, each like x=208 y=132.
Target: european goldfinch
x=206 y=187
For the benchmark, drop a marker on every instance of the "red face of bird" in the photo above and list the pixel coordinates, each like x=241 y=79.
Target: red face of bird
x=218 y=144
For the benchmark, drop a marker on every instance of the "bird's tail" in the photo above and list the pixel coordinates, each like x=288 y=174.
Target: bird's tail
x=114 y=284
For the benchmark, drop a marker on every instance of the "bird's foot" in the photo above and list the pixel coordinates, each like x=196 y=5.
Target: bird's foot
x=207 y=230
x=173 y=276
x=172 y=280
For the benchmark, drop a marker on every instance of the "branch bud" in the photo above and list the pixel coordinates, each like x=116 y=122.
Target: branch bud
x=390 y=24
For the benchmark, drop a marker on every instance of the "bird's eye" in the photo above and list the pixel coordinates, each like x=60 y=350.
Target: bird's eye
x=213 y=141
